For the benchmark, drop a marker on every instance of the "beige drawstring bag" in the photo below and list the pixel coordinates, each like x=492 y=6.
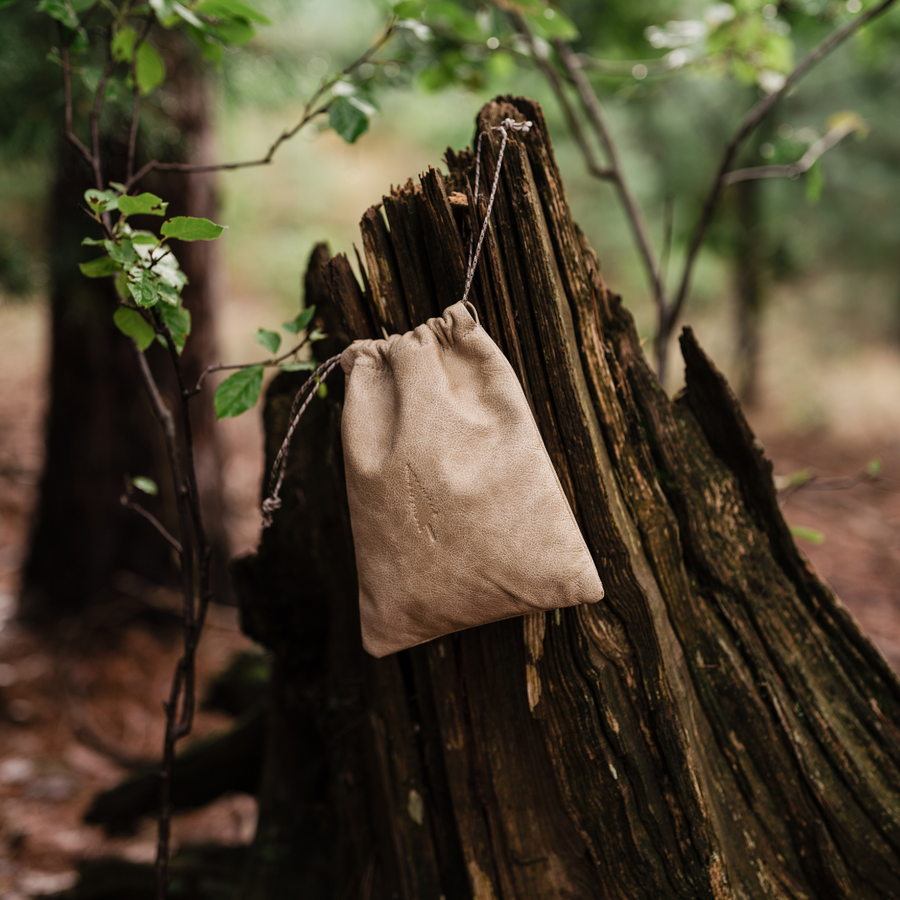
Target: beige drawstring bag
x=458 y=516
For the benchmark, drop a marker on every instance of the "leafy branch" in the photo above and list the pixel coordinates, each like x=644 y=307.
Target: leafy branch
x=573 y=71
x=149 y=280
x=348 y=115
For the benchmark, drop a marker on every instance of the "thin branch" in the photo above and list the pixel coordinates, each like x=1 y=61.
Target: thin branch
x=748 y=123
x=310 y=111
x=71 y=137
x=136 y=107
x=806 y=480
x=668 y=228
x=556 y=85
x=804 y=164
x=222 y=367
x=95 y=122
x=136 y=507
x=172 y=732
x=633 y=210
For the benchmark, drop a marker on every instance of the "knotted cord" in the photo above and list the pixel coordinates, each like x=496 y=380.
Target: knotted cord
x=276 y=478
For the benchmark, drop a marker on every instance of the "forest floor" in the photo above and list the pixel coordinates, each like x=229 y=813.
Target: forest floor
x=78 y=710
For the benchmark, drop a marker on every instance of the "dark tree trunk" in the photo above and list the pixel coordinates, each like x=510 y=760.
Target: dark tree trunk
x=717 y=728
x=84 y=546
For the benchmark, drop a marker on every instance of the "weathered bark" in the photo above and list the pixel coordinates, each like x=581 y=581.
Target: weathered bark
x=718 y=727
x=100 y=427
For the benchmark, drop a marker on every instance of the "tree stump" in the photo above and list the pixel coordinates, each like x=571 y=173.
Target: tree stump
x=718 y=727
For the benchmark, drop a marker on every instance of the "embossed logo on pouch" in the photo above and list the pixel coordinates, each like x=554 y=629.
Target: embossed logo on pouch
x=421 y=506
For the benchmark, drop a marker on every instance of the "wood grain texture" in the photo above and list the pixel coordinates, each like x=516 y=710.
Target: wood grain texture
x=717 y=728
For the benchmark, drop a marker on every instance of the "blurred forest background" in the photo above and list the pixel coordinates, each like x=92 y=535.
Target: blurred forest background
x=823 y=250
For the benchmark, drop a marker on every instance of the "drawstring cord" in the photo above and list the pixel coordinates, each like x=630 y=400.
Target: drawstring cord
x=504 y=128
x=276 y=478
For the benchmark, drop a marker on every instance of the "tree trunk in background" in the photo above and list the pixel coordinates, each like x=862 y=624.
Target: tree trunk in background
x=85 y=548
x=718 y=727
x=749 y=277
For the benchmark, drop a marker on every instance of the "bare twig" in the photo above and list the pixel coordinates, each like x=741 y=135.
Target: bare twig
x=173 y=730
x=748 y=123
x=136 y=507
x=804 y=164
x=668 y=227
x=71 y=137
x=136 y=107
x=553 y=78
x=807 y=480
x=597 y=118
x=310 y=111
x=95 y=122
x=222 y=367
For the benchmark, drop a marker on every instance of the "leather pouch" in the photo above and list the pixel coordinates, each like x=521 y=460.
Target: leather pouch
x=458 y=516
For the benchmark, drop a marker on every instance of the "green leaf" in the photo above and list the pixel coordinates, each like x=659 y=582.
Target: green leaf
x=271 y=340
x=122 y=46
x=164 y=9
x=60 y=10
x=808 y=534
x=131 y=323
x=295 y=326
x=121 y=285
x=188 y=16
x=145 y=484
x=100 y=201
x=231 y=9
x=5 y=3
x=91 y=242
x=306 y=365
x=144 y=238
x=187 y=228
x=348 y=118
x=178 y=321
x=237 y=393
x=122 y=251
x=149 y=68
x=815 y=181
x=407 y=9
x=100 y=267
x=873 y=466
x=317 y=335
x=235 y=32
x=143 y=204
x=551 y=23
x=143 y=288
x=322 y=391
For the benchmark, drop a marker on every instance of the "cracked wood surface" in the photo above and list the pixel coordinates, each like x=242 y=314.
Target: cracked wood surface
x=718 y=727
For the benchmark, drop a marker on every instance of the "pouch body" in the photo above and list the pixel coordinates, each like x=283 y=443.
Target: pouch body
x=458 y=516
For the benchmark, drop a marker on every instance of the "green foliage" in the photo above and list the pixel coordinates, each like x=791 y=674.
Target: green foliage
x=295 y=326
x=239 y=392
x=100 y=267
x=349 y=117
x=147 y=485
x=132 y=324
x=808 y=534
x=142 y=204
x=188 y=228
x=271 y=340
x=178 y=320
